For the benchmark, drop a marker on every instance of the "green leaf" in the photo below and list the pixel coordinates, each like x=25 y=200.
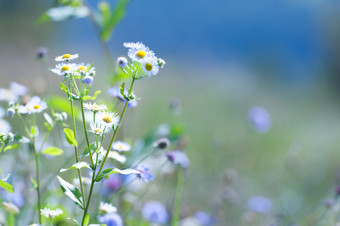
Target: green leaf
x=93 y=97
x=109 y=171
x=69 y=135
x=86 y=151
x=43 y=19
x=63 y=87
x=116 y=16
x=87 y=219
x=71 y=191
x=6 y=186
x=48 y=127
x=74 y=220
x=34 y=183
x=12 y=146
x=77 y=165
x=34 y=131
x=53 y=151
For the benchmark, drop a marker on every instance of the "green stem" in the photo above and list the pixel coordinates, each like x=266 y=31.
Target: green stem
x=85 y=131
x=36 y=155
x=178 y=198
x=46 y=136
x=11 y=221
x=75 y=148
x=94 y=177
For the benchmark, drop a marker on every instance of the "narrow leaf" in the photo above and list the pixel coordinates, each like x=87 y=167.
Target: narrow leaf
x=69 y=135
x=109 y=171
x=48 y=118
x=53 y=151
x=34 y=183
x=71 y=191
x=93 y=97
x=87 y=219
x=12 y=146
x=6 y=186
x=77 y=165
x=63 y=87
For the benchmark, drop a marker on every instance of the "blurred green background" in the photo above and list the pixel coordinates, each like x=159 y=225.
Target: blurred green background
x=223 y=57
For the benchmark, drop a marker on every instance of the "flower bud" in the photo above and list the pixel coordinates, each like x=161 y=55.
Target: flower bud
x=122 y=61
x=10 y=111
x=88 y=80
x=162 y=143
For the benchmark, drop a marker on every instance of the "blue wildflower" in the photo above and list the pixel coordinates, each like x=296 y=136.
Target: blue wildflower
x=178 y=158
x=259 y=204
x=155 y=212
x=260 y=119
x=144 y=175
x=115 y=92
x=204 y=218
x=111 y=219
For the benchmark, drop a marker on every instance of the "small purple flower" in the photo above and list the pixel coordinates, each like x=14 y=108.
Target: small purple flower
x=115 y=92
x=259 y=204
x=204 y=219
x=112 y=184
x=111 y=219
x=122 y=61
x=88 y=80
x=155 y=212
x=260 y=119
x=144 y=175
x=178 y=158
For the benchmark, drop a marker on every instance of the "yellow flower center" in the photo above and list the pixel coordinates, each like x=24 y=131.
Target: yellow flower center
x=148 y=66
x=36 y=106
x=66 y=56
x=120 y=146
x=65 y=68
x=82 y=68
x=98 y=130
x=141 y=54
x=107 y=119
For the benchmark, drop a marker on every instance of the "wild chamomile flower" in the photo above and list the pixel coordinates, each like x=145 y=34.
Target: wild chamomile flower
x=67 y=57
x=48 y=213
x=108 y=118
x=99 y=128
x=35 y=105
x=121 y=146
x=95 y=107
x=63 y=69
x=138 y=51
x=150 y=66
x=85 y=69
x=107 y=208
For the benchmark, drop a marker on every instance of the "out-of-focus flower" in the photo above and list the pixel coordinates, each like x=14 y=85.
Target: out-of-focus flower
x=35 y=225
x=150 y=66
x=111 y=219
x=260 y=119
x=84 y=180
x=162 y=143
x=5 y=127
x=116 y=156
x=144 y=175
x=88 y=80
x=138 y=51
x=113 y=183
x=99 y=128
x=13 y=93
x=95 y=107
x=178 y=158
x=48 y=213
x=63 y=69
x=86 y=69
x=10 y=111
x=35 y=105
x=259 y=204
x=60 y=116
x=67 y=57
x=10 y=207
x=122 y=61
x=18 y=89
x=64 y=12
x=109 y=119
x=121 y=146
x=115 y=92
x=155 y=212
x=107 y=208
x=204 y=219
x=41 y=53
x=2 y=112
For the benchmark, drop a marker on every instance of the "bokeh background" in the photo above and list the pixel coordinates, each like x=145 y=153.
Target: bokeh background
x=223 y=58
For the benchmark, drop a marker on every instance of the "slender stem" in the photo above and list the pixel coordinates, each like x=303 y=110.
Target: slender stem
x=94 y=177
x=36 y=155
x=85 y=131
x=46 y=136
x=11 y=221
x=178 y=198
x=115 y=131
x=75 y=148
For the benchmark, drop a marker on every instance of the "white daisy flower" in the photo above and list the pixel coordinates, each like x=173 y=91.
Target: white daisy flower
x=108 y=118
x=67 y=57
x=107 y=208
x=121 y=146
x=63 y=69
x=36 y=104
x=116 y=156
x=138 y=51
x=99 y=128
x=150 y=66
x=10 y=207
x=18 y=89
x=8 y=95
x=5 y=127
x=95 y=107
x=47 y=212
x=84 y=180
x=83 y=68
